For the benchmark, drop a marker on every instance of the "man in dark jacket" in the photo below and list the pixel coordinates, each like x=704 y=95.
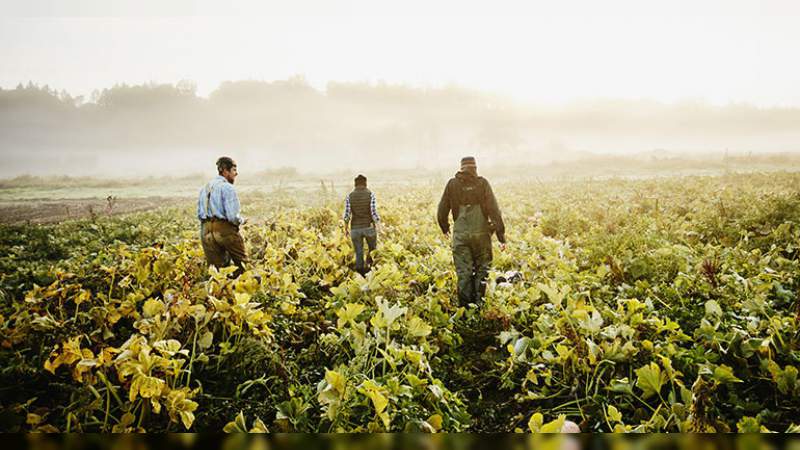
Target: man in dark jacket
x=362 y=219
x=475 y=216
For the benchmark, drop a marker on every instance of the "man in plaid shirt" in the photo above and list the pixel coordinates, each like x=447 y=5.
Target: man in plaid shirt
x=362 y=221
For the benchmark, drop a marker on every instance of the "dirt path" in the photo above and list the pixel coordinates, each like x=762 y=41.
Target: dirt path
x=59 y=210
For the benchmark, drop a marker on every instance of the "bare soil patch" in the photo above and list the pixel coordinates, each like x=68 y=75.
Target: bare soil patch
x=59 y=210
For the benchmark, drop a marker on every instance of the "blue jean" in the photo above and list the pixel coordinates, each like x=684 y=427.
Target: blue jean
x=358 y=235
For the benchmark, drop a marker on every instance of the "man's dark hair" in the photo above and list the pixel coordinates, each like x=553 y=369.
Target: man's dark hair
x=360 y=180
x=225 y=163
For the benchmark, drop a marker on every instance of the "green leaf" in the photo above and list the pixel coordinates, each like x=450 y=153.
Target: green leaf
x=650 y=379
x=553 y=294
x=713 y=309
x=622 y=386
x=724 y=375
x=787 y=380
x=748 y=425
x=206 y=340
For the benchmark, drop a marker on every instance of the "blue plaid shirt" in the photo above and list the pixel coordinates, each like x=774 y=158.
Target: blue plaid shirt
x=223 y=203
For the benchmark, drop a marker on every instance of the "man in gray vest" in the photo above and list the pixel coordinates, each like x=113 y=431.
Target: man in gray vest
x=476 y=216
x=362 y=222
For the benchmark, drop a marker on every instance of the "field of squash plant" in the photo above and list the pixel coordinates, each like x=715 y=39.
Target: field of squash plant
x=667 y=304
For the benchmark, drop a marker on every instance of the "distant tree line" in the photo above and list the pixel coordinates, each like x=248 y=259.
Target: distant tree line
x=346 y=117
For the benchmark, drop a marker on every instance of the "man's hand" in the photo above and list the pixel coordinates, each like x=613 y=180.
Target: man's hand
x=502 y=246
x=378 y=228
x=243 y=220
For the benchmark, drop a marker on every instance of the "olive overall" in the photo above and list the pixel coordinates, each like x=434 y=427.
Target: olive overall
x=476 y=216
x=472 y=242
x=472 y=253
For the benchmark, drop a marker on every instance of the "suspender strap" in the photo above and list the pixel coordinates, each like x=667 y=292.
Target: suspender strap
x=208 y=198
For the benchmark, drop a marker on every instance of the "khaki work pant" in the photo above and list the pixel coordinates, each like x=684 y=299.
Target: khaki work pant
x=222 y=243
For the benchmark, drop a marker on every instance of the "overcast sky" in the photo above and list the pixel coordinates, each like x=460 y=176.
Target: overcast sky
x=536 y=51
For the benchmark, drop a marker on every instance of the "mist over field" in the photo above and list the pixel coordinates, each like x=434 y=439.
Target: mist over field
x=168 y=129
x=130 y=89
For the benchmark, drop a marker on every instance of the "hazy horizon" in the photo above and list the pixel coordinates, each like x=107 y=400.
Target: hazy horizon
x=163 y=87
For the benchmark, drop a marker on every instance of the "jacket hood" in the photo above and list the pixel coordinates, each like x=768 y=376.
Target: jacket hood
x=466 y=175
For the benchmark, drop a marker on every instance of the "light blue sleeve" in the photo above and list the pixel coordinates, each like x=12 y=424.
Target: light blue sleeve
x=200 y=201
x=230 y=204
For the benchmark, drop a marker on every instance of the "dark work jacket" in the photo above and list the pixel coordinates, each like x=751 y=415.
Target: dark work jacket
x=454 y=196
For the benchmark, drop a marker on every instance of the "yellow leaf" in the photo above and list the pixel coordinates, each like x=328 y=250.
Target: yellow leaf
x=336 y=380
x=288 y=308
x=241 y=298
x=348 y=313
x=535 y=422
x=153 y=307
x=107 y=355
x=614 y=414
x=206 y=340
x=83 y=296
x=167 y=347
x=418 y=328
x=259 y=427
x=435 y=421
x=198 y=312
x=47 y=429
x=33 y=419
x=146 y=386
x=187 y=417
x=50 y=366
x=378 y=321
x=378 y=400
x=554 y=426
